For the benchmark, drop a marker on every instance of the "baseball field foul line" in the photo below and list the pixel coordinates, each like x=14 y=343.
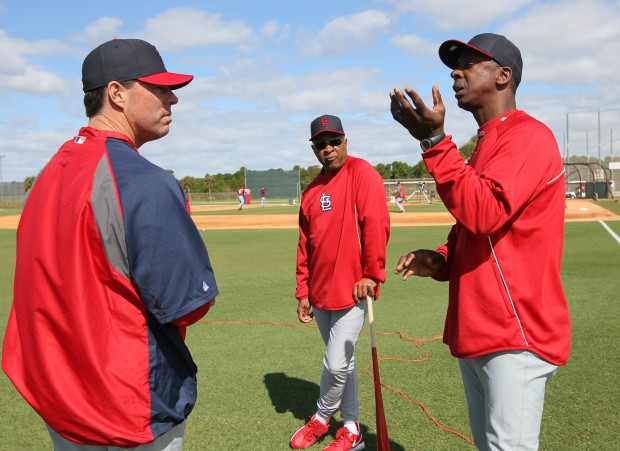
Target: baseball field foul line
x=611 y=232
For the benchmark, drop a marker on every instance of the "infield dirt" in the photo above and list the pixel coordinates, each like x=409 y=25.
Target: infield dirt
x=576 y=210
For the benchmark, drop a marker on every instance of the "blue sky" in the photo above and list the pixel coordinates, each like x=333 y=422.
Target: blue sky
x=265 y=69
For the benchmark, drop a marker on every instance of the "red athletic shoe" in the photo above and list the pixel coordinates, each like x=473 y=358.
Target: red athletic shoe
x=308 y=435
x=346 y=440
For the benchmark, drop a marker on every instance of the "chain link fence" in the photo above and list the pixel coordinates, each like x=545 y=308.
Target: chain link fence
x=12 y=194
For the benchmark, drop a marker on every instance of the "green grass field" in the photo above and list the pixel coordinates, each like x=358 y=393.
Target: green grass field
x=259 y=368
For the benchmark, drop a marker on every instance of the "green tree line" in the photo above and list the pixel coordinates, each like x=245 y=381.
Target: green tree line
x=219 y=183
x=230 y=182
x=397 y=170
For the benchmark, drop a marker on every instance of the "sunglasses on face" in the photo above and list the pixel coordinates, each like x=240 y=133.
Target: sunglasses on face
x=334 y=142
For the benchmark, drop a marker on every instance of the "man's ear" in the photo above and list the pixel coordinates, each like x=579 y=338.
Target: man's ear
x=117 y=94
x=504 y=75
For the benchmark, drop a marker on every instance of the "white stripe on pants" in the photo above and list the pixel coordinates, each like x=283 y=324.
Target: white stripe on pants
x=505 y=394
x=340 y=330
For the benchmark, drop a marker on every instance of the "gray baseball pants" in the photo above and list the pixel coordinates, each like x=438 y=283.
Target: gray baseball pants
x=340 y=330
x=170 y=441
x=505 y=394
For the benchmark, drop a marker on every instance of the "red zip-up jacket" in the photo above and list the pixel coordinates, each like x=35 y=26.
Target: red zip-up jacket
x=344 y=227
x=503 y=255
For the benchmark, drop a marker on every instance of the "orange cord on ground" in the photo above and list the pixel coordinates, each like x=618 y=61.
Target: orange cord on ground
x=417 y=342
x=368 y=368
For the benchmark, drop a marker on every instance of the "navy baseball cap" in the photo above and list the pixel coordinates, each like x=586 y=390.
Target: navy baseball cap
x=495 y=46
x=325 y=123
x=128 y=59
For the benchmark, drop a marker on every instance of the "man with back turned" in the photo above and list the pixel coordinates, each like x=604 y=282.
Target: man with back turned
x=110 y=270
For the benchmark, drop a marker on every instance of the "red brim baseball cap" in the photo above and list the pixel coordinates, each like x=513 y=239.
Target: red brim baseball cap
x=128 y=59
x=174 y=81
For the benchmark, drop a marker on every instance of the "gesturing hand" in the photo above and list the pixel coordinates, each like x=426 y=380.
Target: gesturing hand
x=423 y=263
x=421 y=122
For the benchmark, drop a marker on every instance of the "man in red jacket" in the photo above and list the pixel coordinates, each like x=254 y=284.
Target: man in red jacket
x=507 y=320
x=344 y=227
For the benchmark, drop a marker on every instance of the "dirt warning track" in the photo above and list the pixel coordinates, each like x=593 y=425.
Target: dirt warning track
x=576 y=210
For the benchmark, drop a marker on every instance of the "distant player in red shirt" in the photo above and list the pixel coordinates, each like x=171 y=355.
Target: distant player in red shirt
x=241 y=197
x=507 y=321
x=400 y=197
x=344 y=227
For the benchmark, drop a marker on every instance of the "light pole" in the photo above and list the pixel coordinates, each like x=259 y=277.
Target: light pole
x=599 y=142
x=599 y=136
x=1 y=184
x=567 y=141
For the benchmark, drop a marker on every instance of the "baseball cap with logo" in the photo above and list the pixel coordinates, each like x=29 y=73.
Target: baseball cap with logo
x=128 y=59
x=325 y=123
x=495 y=46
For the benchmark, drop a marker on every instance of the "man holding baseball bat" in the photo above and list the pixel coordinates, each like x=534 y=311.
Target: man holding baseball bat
x=507 y=320
x=110 y=270
x=344 y=227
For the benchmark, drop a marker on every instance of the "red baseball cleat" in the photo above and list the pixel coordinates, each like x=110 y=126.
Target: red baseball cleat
x=306 y=436
x=346 y=440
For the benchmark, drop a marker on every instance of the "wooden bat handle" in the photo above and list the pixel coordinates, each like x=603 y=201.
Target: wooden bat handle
x=371 y=321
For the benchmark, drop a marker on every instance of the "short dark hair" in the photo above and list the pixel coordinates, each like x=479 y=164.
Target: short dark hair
x=93 y=99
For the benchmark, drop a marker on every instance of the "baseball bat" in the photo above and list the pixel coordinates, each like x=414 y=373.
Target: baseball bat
x=383 y=441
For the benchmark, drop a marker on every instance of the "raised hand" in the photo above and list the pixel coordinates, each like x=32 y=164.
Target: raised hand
x=418 y=119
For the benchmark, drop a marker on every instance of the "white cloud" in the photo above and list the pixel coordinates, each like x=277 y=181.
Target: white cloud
x=258 y=85
x=183 y=28
x=101 y=30
x=19 y=74
x=415 y=45
x=456 y=14
x=346 y=91
x=569 y=42
x=345 y=33
x=280 y=34
x=270 y=28
x=27 y=152
x=35 y=81
x=253 y=109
